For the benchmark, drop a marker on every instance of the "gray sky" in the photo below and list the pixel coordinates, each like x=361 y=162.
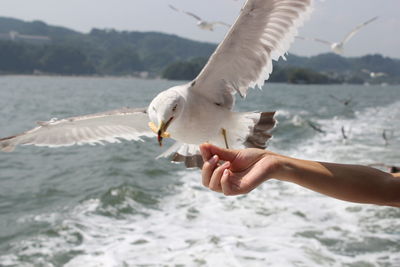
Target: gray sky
x=331 y=20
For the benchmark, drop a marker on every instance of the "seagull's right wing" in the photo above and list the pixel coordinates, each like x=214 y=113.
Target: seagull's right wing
x=222 y=23
x=314 y=39
x=124 y=123
x=322 y=41
x=356 y=29
x=263 y=32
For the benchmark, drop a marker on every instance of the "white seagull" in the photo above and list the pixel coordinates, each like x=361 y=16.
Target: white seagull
x=202 y=24
x=201 y=110
x=373 y=74
x=338 y=47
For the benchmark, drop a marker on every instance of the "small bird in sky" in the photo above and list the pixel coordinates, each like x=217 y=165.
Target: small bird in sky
x=345 y=102
x=338 y=47
x=202 y=24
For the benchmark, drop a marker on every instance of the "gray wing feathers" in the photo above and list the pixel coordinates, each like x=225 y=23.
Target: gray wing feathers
x=260 y=133
x=262 y=33
x=192 y=161
x=126 y=123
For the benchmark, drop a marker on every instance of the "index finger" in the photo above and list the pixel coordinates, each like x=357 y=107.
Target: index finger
x=205 y=152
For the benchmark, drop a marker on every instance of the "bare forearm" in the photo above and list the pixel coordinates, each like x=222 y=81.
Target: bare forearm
x=347 y=182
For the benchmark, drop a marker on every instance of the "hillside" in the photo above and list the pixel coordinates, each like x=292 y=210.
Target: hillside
x=35 y=47
x=104 y=51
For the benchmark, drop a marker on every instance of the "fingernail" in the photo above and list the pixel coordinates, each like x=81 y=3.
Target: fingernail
x=226 y=172
x=226 y=164
x=214 y=159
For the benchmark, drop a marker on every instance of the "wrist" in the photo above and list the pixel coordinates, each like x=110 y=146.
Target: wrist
x=279 y=167
x=273 y=166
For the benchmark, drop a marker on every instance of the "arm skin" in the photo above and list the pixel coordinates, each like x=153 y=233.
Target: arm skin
x=244 y=170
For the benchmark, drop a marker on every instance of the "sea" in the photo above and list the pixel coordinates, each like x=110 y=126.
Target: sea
x=117 y=205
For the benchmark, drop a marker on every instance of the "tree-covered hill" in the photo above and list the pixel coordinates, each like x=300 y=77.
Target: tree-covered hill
x=105 y=51
x=111 y=52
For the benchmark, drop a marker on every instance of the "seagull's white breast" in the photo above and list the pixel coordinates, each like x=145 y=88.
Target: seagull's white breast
x=201 y=121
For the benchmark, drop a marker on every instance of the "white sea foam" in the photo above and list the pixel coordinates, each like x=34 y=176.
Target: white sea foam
x=276 y=225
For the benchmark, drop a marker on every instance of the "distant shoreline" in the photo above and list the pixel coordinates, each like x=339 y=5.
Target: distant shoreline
x=127 y=77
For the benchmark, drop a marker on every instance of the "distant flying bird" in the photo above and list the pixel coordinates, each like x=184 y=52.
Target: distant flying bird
x=345 y=102
x=387 y=135
x=202 y=110
x=338 y=47
x=374 y=75
x=315 y=127
x=202 y=24
x=345 y=133
x=384 y=136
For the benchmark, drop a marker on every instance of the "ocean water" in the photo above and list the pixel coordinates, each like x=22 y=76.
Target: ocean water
x=116 y=205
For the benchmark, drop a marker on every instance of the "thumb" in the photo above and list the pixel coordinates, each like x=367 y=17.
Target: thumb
x=223 y=154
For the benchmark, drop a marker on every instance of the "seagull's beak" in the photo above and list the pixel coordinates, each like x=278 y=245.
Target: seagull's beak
x=162 y=130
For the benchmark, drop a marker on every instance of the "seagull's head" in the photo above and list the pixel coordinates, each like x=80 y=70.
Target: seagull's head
x=165 y=108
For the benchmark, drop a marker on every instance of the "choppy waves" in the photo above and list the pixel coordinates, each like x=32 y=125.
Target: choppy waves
x=273 y=226
x=115 y=207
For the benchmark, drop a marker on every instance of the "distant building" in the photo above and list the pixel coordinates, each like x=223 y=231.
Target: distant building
x=16 y=36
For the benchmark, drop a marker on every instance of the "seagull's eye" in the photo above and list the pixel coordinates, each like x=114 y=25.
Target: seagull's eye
x=174 y=108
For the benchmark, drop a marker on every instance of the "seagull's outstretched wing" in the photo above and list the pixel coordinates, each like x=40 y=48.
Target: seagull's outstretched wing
x=222 y=23
x=186 y=12
x=124 y=123
x=315 y=40
x=356 y=29
x=262 y=33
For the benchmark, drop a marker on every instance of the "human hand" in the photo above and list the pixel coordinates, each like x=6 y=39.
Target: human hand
x=242 y=171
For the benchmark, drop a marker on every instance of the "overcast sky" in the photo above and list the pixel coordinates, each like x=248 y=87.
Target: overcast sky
x=331 y=20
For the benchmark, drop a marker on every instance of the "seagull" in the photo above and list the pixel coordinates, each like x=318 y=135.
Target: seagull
x=345 y=102
x=202 y=24
x=374 y=75
x=201 y=110
x=338 y=47
x=315 y=127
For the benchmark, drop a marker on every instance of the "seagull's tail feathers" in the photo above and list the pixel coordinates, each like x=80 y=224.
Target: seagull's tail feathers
x=260 y=132
x=189 y=154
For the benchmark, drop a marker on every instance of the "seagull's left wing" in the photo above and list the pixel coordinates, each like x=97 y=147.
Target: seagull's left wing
x=222 y=23
x=356 y=29
x=262 y=33
x=186 y=12
x=124 y=123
